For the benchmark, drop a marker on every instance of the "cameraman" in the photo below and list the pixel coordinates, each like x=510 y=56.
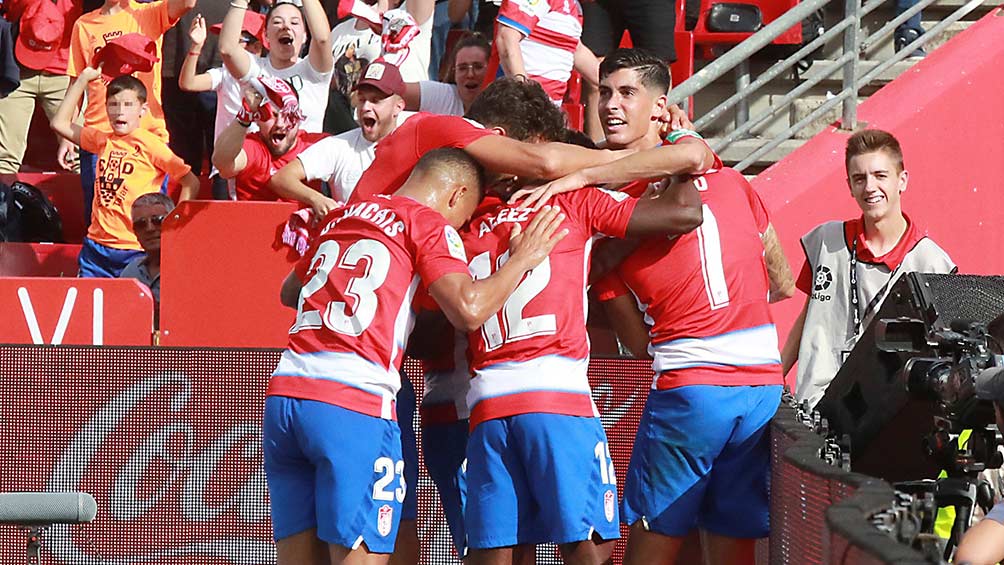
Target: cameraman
x=984 y=543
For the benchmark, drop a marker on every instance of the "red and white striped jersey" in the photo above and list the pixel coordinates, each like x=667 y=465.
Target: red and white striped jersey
x=704 y=294
x=533 y=354
x=551 y=30
x=355 y=309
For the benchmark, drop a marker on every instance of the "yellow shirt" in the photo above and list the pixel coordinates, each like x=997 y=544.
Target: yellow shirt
x=128 y=167
x=90 y=34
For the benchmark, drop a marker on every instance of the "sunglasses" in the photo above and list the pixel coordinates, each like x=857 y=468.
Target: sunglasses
x=153 y=221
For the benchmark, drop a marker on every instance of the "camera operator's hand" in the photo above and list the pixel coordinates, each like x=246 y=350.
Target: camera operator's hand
x=983 y=544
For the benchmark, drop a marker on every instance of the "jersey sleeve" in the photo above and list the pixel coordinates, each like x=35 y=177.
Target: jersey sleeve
x=522 y=15
x=609 y=287
x=804 y=281
x=439 y=251
x=434 y=132
x=93 y=140
x=601 y=211
x=320 y=160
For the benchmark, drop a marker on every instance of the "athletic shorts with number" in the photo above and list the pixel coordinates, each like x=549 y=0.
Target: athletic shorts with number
x=444 y=448
x=536 y=478
x=334 y=469
x=409 y=446
x=701 y=458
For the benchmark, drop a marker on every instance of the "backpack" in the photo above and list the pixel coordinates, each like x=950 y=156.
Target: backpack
x=26 y=214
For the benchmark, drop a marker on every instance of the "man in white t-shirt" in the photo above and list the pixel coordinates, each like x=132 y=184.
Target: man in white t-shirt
x=341 y=160
x=285 y=32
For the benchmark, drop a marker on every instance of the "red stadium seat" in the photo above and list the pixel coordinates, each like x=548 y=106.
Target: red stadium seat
x=705 y=39
x=38 y=260
x=63 y=190
x=576 y=115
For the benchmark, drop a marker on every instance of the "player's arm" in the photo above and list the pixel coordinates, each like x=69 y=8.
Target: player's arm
x=62 y=121
x=782 y=282
x=789 y=353
x=188 y=79
x=545 y=161
x=319 y=54
x=235 y=58
x=510 y=56
x=686 y=156
x=675 y=211
x=412 y=96
x=627 y=322
x=178 y=8
x=468 y=303
x=290 y=183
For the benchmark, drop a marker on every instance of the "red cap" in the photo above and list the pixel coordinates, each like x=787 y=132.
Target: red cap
x=41 y=33
x=127 y=54
x=384 y=77
x=254 y=24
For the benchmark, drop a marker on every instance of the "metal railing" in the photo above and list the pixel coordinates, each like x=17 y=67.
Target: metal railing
x=737 y=61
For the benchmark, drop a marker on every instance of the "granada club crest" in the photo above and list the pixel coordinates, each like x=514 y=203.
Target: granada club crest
x=385 y=519
x=609 y=502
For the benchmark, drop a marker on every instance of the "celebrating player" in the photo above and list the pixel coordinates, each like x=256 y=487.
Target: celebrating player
x=332 y=448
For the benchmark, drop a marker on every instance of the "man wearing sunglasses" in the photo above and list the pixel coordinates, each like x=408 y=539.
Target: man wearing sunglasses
x=148 y=213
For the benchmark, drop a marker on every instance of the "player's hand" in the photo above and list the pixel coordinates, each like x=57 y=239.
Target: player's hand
x=534 y=244
x=538 y=196
x=674 y=118
x=67 y=156
x=89 y=74
x=197 y=31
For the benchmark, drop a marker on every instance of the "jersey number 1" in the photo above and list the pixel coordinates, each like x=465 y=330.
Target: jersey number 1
x=710 y=243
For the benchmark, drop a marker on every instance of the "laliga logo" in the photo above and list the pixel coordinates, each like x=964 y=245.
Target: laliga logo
x=191 y=469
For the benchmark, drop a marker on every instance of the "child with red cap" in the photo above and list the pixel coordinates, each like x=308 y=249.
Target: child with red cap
x=132 y=162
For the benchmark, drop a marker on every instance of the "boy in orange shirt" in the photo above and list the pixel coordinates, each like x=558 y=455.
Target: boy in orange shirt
x=131 y=162
x=91 y=32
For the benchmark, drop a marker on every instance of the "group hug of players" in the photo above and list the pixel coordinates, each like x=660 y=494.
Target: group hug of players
x=682 y=253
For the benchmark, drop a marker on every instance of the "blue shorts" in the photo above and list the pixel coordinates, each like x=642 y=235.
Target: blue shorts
x=536 y=478
x=444 y=447
x=334 y=469
x=409 y=446
x=101 y=261
x=701 y=458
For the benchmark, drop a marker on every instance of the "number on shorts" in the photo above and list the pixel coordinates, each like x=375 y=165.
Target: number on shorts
x=389 y=468
x=710 y=242
x=602 y=452
x=362 y=289
x=516 y=326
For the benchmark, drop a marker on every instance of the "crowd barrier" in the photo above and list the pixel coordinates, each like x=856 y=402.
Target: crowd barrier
x=168 y=442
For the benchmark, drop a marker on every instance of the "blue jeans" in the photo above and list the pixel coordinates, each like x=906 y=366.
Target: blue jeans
x=911 y=24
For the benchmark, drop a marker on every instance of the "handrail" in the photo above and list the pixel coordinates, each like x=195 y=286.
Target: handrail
x=853 y=46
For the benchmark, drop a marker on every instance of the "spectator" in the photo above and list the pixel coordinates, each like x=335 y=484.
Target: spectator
x=42 y=50
x=465 y=80
x=984 y=543
x=650 y=23
x=539 y=39
x=148 y=213
x=253 y=158
x=354 y=45
x=219 y=80
x=909 y=30
x=91 y=33
x=191 y=115
x=341 y=160
x=445 y=18
x=484 y=13
x=133 y=162
x=285 y=34
x=851 y=266
x=415 y=64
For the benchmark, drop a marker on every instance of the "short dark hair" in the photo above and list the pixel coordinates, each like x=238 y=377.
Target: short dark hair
x=520 y=107
x=653 y=71
x=455 y=163
x=126 y=82
x=576 y=137
x=870 y=141
x=469 y=39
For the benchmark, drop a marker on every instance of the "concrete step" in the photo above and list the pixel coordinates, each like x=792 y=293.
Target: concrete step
x=883 y=49
x=828 y=67
x=806 y=105
x=952 y=5
x=742 y=148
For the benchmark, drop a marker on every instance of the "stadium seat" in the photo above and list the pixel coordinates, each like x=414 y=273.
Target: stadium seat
x=38 y=259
